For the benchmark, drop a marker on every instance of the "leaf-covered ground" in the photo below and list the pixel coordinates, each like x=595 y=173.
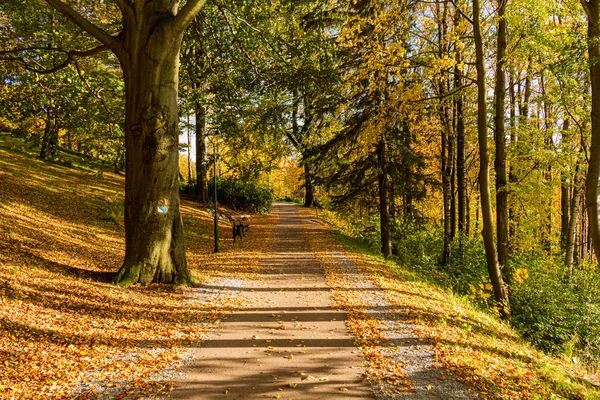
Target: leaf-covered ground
x=65 y=330
x=482 y=352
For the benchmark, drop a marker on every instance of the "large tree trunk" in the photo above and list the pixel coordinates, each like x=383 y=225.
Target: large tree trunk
x=500 y=136
x=384 y=205
x=148 y=51
x=155 y=250
x=500 y=293
x=201 y=181
x=592 y=193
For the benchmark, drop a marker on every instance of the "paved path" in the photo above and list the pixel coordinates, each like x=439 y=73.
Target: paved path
x=289 y=343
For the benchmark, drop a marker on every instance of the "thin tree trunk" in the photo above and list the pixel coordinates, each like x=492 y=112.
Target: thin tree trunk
x=487 y=232
x=500 y=159
x=446 y=133
x=408 y=204
x=460 y=154
x=512 y=179
x=201 y=182
x=572 y=222
x=564 y=194
x=384 y=207
x=592 y=195
x=49 y=147
x=189 y=147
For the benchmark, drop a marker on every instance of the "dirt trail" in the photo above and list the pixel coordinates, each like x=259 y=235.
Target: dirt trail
x=290 y=342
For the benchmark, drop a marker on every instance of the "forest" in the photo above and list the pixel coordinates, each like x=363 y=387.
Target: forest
x=457 y=139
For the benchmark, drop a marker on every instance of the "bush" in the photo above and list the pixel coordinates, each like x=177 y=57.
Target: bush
x=558 y=315
x=187 y=189
x=243 y=196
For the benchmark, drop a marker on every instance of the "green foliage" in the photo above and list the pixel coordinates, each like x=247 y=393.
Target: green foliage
x=559 y=315
x=240 y=195
x=187 y=189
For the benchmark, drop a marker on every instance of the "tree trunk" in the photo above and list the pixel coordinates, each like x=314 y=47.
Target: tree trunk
x=201 y=182
x=592 y=194
x=573 y=220
x=512 y=179
x=384 y=206
x=564 y=193
x=500 y=136
x=406 y=173
x=148 y=51
x=460 y=157
x=446 y=187
x=49 y=147
x=309 y=189
x=155 y=250
x=564 y=210
x=189 y=147
x=500 y=293
x=447 y=155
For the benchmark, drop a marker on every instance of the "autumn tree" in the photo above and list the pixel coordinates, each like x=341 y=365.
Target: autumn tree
x=592 y=10
x=147 y=45
x=494 y=270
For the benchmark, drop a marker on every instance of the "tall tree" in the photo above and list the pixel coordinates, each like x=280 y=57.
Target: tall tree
x=147 y=48
x=500 y=136
x=592 y=185
x=500 y=293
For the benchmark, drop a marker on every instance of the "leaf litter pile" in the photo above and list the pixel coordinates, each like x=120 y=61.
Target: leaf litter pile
x=65 y=330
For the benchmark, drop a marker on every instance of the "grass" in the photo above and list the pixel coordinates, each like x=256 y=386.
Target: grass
x=482 y=351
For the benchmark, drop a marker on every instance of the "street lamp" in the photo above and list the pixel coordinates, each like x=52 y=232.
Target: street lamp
x=216 y=210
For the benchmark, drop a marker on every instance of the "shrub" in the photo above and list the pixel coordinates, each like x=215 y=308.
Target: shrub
x=243 y=196
x=557 y=314
x=187 y=189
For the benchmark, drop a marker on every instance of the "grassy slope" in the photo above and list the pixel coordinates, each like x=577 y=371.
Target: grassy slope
x=59 y=315
x=482 y=351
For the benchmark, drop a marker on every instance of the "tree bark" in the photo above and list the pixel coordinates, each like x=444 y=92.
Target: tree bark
x=447 y=155
x=384 y=206
x=49 y=146
x=592 y=194
x=500 y=136
x=460 y=154
x=573 y=220
x=201 y=181
x=148 y=51
x=189 y=147
x=500 y=293
x=564 y=194
x=309 y=189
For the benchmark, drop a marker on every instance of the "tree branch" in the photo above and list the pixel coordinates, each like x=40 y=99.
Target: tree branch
x=187 y=13
x=71 y=55
x=93 y=30
x=126 y=7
